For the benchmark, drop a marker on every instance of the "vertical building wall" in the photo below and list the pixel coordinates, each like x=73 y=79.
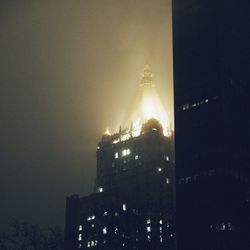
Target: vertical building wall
x=71 y=222
x=211 y=85
x=133 y=206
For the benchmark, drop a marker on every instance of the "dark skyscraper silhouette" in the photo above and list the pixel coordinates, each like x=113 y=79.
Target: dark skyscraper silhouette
x=212 y=100
x=133 y=204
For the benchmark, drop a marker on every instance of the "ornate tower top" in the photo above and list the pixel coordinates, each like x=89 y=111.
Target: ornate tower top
x=147 y=77
x=147 y=105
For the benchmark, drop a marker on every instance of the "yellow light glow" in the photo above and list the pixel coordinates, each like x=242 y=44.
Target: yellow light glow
x=107 y=132
x=147 y=105
x=148 y=109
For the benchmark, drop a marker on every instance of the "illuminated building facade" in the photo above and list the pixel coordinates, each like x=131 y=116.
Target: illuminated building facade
x=212 y=102
x=133 y=204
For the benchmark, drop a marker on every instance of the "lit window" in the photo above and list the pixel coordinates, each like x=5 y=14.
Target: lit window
x=98 y=147
x=96 y=242
x=167 y=158
x=124 y=207
x=160 y=229
x=160 y=221
x=88 y=244
x=80 y=237
x=185 y=106
x=100 y=189
x=160 y=238
x=148 y=221
x=105 y=213
x=93 y=217
x=116 y=230
x=148 y=229
x=80 y=245
x=123 y=244
x=104 y=230
x=171 y=235
x=116 y=155
x=168 y=225
x=89 y=218
x=116 y=214
x=159 y=169
x=80 y=228
x=92 y=225
x=125 y=152
x=92 y=243
x=168 y=180
x=148 y=237
x=136 y=157
x=206 y=100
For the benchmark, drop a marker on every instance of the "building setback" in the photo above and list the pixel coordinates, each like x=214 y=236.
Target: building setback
x=212 y=102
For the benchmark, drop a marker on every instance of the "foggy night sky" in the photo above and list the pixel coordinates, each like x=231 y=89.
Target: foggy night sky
x=69 y=70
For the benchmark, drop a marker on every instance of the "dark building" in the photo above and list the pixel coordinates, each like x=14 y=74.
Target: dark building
x=211 y=42
x=133 y=204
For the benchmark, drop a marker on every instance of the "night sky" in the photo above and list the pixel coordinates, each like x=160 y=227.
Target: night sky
x=69 y=70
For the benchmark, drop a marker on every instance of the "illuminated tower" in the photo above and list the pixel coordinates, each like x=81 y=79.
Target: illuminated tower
x=133 y=204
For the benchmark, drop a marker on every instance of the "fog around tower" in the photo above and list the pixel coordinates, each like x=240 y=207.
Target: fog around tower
x=69 y=70
x=147 y=104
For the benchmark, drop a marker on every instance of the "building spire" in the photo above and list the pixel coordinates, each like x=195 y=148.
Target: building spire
x=147 y=77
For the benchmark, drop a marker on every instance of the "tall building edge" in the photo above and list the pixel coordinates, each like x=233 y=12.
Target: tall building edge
x=71 y=222
x=212 y=139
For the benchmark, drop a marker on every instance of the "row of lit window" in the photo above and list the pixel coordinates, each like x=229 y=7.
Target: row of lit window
x=223 y=226
x=92 y=217
x=160 y=237
x=189 y=179
x=193 y=105
x=105 y=230
x=125 y=152
x=124 y=208
x=93 y=243
x=126 y=161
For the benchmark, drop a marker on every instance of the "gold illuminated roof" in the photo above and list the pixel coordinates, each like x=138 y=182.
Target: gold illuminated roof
x=147 y=104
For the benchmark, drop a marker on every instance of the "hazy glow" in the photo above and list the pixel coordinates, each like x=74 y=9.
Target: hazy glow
x=147 y=105
x=107 y=132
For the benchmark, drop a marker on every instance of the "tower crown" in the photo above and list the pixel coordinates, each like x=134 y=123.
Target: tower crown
x=147 y=77
x=147 y=105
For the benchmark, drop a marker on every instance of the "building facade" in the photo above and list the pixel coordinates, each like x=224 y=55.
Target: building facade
x=211 y=82
x=133 y=206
